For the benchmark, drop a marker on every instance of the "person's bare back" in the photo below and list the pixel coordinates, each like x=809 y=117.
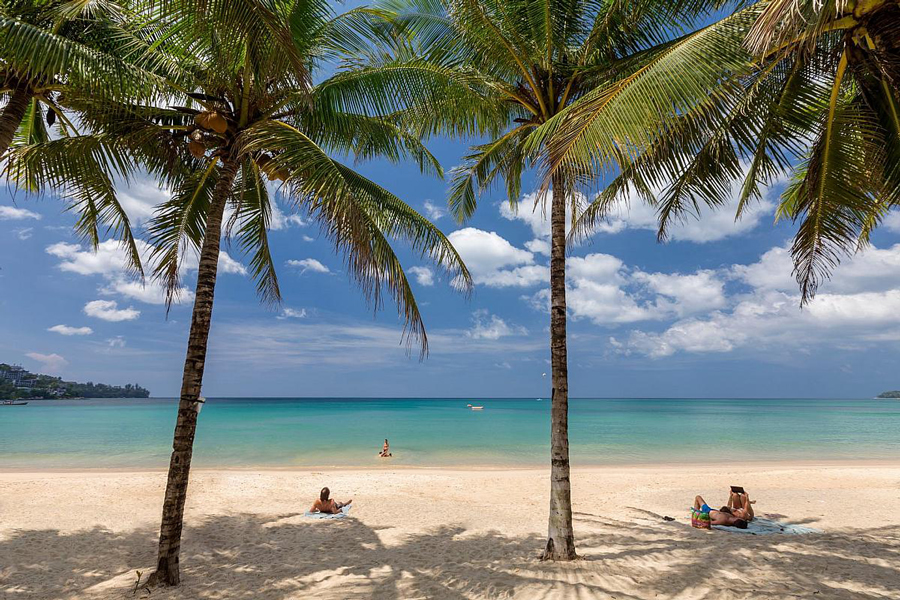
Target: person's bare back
x=326 y=504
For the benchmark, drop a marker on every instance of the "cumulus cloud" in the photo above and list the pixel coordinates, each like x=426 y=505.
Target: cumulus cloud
x=12 y=213
x=279 y=220
x=633 y=213
x=109 y=263
x=67 y=330
x=602 y=289
x=424 y=276
x=291 y=313
x=308 y=264
x=51 y=363
x=494 y=262
x=892 y=221
x=229 y=265
x=140 y=198
x=859 y=305
x=108 y=310
x=486 y=326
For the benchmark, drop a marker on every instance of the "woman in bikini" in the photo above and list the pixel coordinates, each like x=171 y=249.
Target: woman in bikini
x=740 y=505
x=385 y=450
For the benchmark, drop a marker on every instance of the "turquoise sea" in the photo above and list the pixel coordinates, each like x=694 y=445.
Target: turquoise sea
x=285 y=432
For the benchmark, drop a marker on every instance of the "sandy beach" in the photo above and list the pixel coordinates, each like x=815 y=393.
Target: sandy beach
x=453 y=534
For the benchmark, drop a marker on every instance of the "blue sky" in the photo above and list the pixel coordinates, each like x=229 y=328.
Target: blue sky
x=714 y=312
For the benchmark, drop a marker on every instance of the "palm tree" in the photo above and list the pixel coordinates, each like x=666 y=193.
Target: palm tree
x=247 y=113
x=53 y=49
x=821 y=103
x=506 y=70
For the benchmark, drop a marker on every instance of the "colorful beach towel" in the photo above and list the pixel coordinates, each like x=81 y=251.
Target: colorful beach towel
x=317 y=515
x=759 y=526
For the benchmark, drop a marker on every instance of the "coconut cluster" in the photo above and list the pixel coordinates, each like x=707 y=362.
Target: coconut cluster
x=211 y=123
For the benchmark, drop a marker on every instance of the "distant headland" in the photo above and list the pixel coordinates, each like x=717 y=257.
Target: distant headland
x=17 y=383
x=893 y=394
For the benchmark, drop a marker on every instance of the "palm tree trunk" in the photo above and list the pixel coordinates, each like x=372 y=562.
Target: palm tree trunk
x=167 y=572
x=561 y=536
x=12 y=115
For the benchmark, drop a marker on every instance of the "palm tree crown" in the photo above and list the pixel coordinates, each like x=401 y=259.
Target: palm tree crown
x=816 y=96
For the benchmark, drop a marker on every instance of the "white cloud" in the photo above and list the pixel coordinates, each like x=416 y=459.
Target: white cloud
x=874 y=269
x=491 y=327
x=859 y=306
x=51 y=363
x=306 y=238
x=11 y=213
x=108 y=310
x=892 y=221
x=23 y=233
x=279 y=220
x=229 y=265
x=116 y=342
x=140 y=198
x=291 y=313
x=685 y=294
x=633 y=213
x=494 y=262
x=67 y=330
x=109 y=262
x=433 y=211
x=424 y=275
x=308 y=264
x=601 y=288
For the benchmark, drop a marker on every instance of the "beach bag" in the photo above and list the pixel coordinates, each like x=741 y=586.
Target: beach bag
x=700 y=520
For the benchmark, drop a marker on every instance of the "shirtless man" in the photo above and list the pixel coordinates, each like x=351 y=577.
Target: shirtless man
x=719 y=517
x=740 y=505
x=327 y=505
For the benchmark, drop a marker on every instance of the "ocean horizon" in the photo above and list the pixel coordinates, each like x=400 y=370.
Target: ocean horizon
x=442 y=432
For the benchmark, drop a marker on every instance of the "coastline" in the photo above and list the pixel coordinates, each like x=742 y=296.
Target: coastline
x=452 y=533
x=464 y=467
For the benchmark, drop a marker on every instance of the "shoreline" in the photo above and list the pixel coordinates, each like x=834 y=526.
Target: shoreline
x=463 y=468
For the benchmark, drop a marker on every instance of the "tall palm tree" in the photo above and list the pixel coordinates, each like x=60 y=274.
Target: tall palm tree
x=247 y=114
x=506 y=70
x=51 y=49
x=820 y=103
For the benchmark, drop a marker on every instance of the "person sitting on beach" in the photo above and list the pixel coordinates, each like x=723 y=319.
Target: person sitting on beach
x=325 y=504
x=702 y=513
x=385 y=450
x=740 y=505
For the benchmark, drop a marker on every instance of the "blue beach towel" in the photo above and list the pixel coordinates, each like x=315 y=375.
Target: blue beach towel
x=317 y=515
x=760 y=526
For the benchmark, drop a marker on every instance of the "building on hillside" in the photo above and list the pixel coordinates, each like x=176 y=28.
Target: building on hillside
x=15 y=374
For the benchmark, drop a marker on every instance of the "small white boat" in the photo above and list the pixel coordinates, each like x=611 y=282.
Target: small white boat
x=477 y=407
x=12 y=403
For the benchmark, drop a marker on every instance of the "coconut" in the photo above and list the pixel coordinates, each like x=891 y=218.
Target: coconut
x=217 y=123
x=198 y=150
x=202 y=120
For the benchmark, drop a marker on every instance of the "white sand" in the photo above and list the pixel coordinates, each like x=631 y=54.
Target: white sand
x=453 y=534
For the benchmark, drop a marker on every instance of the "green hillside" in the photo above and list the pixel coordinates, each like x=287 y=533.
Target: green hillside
x=16 y=382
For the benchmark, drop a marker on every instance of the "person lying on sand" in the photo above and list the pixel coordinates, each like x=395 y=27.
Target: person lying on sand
x=716 y=517
x=740 y=505
x=385 y=450
x=327 y=505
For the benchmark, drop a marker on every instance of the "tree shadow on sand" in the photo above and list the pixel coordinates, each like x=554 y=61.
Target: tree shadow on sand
x=244 y=556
